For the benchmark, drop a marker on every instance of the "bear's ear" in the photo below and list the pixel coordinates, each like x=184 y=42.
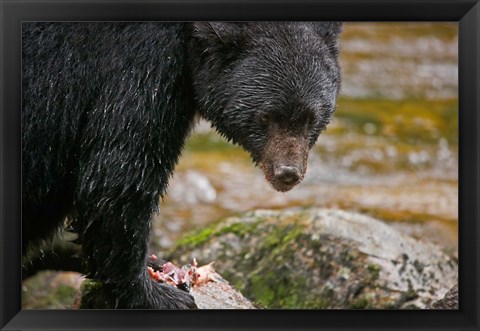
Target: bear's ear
x=217 y=32
x=330 y=31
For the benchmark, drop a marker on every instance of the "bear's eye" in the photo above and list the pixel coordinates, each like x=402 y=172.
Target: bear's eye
x=265 y=118
x=311 y=119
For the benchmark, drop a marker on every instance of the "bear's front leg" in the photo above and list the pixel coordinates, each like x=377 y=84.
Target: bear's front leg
x=114 y=231
x=102 y=295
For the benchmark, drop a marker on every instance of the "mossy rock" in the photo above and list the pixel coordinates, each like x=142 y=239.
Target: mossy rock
x=321 y=258
x=50 y=290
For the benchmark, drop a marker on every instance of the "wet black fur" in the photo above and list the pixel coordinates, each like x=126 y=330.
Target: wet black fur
x=107 y=108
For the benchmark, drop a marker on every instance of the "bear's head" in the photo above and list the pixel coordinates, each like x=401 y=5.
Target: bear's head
x=270 y=87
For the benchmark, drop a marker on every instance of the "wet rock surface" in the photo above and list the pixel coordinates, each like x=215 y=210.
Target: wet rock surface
x=220 y=295
x=51 y=290
x=322 y=258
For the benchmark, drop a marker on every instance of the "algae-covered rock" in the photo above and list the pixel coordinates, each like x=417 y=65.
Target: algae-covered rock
x=50 y=290
x=321 y=258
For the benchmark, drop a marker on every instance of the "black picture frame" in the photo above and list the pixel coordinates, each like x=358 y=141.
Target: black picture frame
x=465 y=12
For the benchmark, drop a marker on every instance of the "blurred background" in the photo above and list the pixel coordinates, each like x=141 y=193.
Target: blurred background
x=391 y=152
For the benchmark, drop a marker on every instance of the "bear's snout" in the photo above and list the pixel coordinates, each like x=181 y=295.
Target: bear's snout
x=287 y=175
x=284 y=177
x=284 y=160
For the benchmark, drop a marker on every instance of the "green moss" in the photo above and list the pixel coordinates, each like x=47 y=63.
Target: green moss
x=65 y=292
x=261 y=289
x=206 y=151
x=280 y=238
x=273 y=285
x=207 y=142
x=240 y=229
x=403 y=120
x=90 y=285
x=346 y=257
x=197 y=238
x=408 y=121
x=48 y=290
x=275 y=289
x=374 y=271
x=410 y=294
x=360 y=303
x=200 y=237
x=61 y=297
x=292 y=234
x=379 y=136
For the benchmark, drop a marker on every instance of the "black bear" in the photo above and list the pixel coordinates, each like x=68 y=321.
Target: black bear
x=107 y=108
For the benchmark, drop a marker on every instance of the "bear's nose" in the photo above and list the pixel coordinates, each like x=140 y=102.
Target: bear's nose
x=287 y=174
